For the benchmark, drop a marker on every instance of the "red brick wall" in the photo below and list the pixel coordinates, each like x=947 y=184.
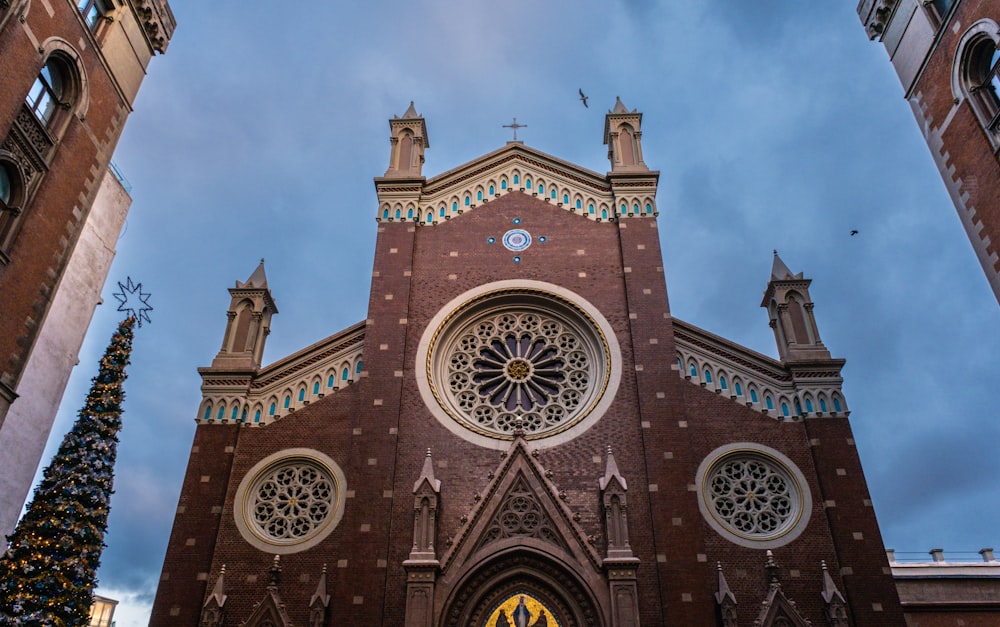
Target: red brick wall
x=52 y=219
x=188 y=566
x=968 y=149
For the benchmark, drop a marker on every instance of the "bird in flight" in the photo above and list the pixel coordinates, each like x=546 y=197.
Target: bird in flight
x=583 y=99
x=854 y=232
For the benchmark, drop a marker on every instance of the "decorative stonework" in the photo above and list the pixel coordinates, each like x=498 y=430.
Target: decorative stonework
x=290 y=501
x=311 y=374
x=517 y=168
x=757 y=381
x=520 y=515
x=516 y=354
x=753 y=495
x=157 y=21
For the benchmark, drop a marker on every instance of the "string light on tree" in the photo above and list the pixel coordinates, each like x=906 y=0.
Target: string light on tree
x=48 y=573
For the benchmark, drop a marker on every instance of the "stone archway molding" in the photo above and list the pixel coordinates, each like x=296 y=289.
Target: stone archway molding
x=522 y=570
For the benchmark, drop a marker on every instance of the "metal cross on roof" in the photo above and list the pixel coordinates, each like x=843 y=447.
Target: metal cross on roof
x=515 y=126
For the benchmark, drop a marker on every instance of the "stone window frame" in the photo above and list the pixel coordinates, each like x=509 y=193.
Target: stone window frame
x=985 y=103
x=244 y=494
x=803 y=507
x=539 y=291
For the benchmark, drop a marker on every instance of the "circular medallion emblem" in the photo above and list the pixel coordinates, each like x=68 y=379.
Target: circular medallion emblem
x=516 y=240
x=517 y=356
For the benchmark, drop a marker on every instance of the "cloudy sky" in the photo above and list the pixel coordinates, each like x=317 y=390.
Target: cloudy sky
x=775 y=125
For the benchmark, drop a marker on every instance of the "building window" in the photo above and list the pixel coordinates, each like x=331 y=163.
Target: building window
x=533 y=360
x=753 y=496
x=92 y=12
x=302 y=395
x=10 y=198
x=316 y=387
x=288 y=401
x=984 y=84
x=329 y=382
x=47 y=92
x=357 y=368
x=939 y=8
x=6 y=187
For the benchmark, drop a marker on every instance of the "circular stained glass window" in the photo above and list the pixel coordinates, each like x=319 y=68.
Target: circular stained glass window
x=750 y=495
x=290 y=500
x=518 y=357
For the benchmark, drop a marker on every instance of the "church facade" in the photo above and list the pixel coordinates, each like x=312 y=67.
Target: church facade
x=520 y=432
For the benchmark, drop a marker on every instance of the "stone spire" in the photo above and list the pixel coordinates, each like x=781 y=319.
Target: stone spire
x=780 y=272
x=408 y=136
x=250 y=309
x=258 y=279
x=623 y=137
x=791 y=315
x=725 y=598
x=319 y=602
x=836 y=606
x=213 y=609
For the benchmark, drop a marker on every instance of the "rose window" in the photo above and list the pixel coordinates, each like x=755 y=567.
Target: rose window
x=290 y=502
x=754 y=496
x=518 y=358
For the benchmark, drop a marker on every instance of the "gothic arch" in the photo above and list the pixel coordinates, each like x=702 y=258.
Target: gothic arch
x=521 y=569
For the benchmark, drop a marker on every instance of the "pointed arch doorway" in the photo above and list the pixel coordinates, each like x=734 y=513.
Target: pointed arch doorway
x=522 y=588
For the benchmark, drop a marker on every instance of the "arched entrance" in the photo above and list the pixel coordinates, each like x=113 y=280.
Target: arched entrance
x=524 y=585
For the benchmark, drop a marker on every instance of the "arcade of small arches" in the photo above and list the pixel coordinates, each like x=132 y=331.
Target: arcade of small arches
x=263 y=408
x=767 y=398
x=598 y=209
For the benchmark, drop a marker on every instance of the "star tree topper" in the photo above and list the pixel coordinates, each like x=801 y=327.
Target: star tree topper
x=133 y=301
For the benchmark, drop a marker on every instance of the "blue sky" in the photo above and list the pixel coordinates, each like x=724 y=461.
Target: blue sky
x=775 y=125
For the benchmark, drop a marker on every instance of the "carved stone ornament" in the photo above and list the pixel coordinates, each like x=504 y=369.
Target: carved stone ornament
x=33 y=132
x=213 y=613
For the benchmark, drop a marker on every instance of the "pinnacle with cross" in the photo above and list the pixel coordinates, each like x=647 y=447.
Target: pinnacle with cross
x=514 y=125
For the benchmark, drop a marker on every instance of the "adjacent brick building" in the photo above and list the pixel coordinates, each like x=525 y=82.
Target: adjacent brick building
x=71 y=71
x=945 y=54
x=520 y=432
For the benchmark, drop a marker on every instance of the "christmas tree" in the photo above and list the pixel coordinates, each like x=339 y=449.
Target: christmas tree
x=48 y=574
